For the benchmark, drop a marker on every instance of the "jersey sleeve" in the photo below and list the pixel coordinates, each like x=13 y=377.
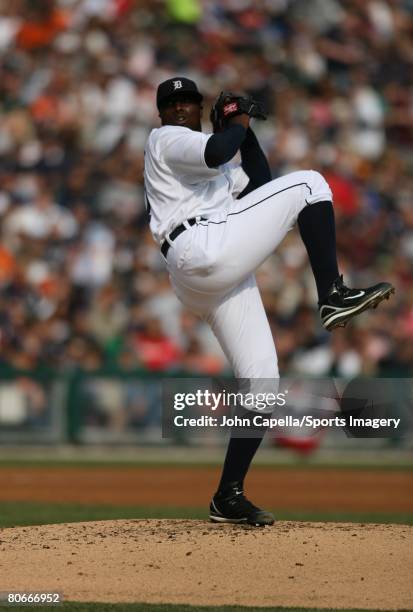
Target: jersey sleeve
x=183 y=151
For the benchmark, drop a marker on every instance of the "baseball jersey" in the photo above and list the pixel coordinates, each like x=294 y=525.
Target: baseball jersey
x=178 y=183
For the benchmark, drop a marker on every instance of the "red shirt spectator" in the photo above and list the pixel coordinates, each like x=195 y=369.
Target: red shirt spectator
x=345 y=193
x=155 y=349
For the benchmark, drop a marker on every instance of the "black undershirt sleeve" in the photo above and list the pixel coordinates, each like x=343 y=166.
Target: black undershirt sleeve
x=222 y=146
x=254 y=163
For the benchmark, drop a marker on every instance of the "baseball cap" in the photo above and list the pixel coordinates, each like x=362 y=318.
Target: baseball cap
x=177 y=85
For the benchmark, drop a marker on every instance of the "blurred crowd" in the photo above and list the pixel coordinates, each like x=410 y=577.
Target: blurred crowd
x=82 y=284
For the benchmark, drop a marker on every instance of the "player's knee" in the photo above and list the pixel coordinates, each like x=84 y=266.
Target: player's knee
x=318 y=190
x=265 y=369
x=265 y=392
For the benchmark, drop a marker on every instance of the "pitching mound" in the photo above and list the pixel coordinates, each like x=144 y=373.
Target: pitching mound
x=195 y=562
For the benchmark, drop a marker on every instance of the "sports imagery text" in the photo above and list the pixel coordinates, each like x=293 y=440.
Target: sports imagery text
x=259 y=420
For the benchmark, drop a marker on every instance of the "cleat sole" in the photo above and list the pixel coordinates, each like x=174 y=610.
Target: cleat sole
x=372 y=304
x=265 y=522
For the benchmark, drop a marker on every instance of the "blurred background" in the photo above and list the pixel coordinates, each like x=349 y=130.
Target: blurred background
x=88 y=321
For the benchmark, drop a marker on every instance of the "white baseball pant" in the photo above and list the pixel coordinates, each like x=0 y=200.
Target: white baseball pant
x=212 y=265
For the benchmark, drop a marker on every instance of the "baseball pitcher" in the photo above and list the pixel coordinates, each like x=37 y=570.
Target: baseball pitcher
x=216 y=221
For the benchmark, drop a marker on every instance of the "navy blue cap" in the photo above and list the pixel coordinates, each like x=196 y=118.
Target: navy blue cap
x=177 y=85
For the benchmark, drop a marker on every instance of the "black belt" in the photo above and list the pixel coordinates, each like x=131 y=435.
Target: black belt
x=177 y=232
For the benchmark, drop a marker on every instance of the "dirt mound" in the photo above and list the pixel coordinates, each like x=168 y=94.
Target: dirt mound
x=195 y=562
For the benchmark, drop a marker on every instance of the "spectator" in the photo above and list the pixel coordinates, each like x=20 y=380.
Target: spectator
x=81 y=282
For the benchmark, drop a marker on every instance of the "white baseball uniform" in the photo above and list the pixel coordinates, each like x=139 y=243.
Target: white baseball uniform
x=212 y=263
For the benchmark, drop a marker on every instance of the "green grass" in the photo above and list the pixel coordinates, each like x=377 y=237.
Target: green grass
x=105 y=607
x=35 y=513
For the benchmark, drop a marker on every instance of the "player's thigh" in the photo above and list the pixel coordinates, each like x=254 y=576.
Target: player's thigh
x=240 y=324
x=308 y=187
x=226 y=249
x=258 y=222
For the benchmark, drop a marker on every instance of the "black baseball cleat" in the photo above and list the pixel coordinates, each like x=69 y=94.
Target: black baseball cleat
x=231 y=506
x=342 y=303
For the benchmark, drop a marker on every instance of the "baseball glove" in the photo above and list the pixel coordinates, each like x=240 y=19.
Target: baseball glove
x=229 y=105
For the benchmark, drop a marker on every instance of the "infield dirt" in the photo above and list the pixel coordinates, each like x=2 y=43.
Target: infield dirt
x=299 y=488
x=195 y=562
